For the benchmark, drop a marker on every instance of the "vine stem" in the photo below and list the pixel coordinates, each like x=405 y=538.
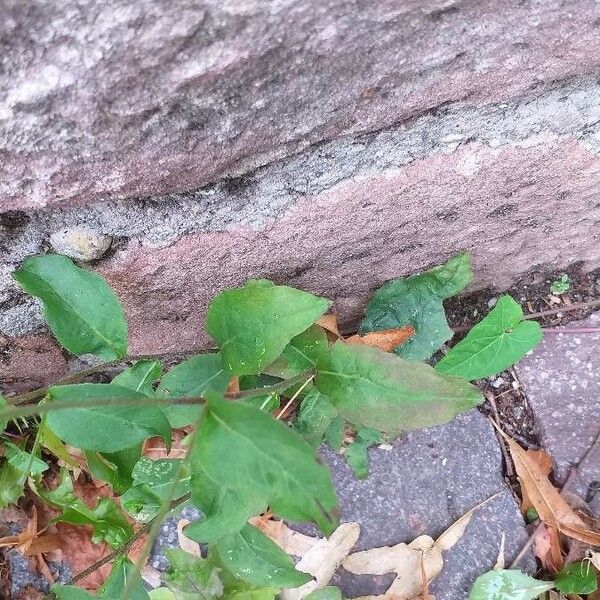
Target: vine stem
x=126 y=546
x=38 y=393
x=12 y=412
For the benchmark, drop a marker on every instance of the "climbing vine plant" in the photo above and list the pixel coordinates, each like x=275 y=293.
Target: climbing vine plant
x=280 y=354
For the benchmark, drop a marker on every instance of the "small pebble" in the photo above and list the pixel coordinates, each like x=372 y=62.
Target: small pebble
x=492 y=302
x=80 y=243
x=498 y=382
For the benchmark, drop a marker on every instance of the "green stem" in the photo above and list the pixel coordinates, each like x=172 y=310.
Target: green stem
x=36 y=394
x=121 y=550
x=12 y=412
x=154 y=529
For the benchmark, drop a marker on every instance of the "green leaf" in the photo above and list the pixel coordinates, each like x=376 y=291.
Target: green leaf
x=334 y=434
x=82 y=311
x=108 y=521
x=251 y=556
x=500 y=340
x=356 y=452
x=267 y=403
x=304 y=352
x=115 y=467
x=314 y=417
x=153 y=486
x=191 y=577
x=70 y=592
x=328 y=593
x=162 y=594
x=253 y=324
x=140 y=377
x=577 y=578
x=105 y=428
x=11 y=484
x=117 y=580
x=192 y=378
x=417 y=301
x=377 y=389
x=24 y=462
x=265 y=457
x=54 y=445
x=225 y=511
x=508 y=585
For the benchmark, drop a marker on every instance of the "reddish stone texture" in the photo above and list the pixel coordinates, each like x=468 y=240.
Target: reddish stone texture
x=119 y=98
x=28 y=362
x=503 y=205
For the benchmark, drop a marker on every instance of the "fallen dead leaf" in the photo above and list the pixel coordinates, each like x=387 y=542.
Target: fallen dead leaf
x=290 y=541
x=185 y=543
x=410 y=561
x=546 y=499
x=234 y=385
x=546 y=547
x=545 y=463
x=500 y=561
x=155 y=449
x=322 y=560
x=330 y=325
x=386 y=339
x=29 y=542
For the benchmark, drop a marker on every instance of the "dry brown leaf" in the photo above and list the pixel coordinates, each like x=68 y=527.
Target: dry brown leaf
x=185 y=543
x=329 y=324
x=322 y=560
x=234 y=385
x=410 y=561
x=290 y=541
x=500 y=561
x=546 y=499
x=29 y=542
x=406 y=560
x=545 y=465
x=546 y=547
x=386 y=339
x=424 y=581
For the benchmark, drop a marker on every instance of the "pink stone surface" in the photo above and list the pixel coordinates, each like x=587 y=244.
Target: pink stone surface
x=119 y=98
x=503 y=205
x=30 y=361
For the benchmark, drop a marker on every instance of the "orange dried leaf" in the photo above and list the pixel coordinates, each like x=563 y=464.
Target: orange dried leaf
x=386 y=339
x=546 y=499
x=545 y=464
x=547 y=548
x=329 y=323
x=234 y=385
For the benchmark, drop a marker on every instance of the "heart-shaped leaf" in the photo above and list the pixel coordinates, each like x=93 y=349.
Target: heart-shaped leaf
x=500 y=340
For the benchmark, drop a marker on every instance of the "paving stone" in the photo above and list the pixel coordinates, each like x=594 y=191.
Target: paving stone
x=561 y=378
x=422 y=485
